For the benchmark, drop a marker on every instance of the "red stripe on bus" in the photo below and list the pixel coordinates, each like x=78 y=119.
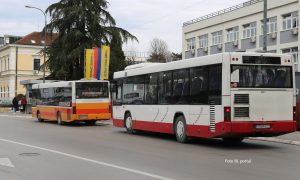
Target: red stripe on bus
x=222 y=128
x=91 y=111
x=118 y=122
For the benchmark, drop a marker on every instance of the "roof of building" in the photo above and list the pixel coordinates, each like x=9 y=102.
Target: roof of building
x=37 y=39
x=239 y=6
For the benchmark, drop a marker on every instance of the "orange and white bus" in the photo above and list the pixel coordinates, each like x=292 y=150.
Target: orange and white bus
x=226 y=95
x=69 y=101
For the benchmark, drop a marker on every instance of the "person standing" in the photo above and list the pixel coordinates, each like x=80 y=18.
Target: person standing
x=23 y=103
x=15 y=104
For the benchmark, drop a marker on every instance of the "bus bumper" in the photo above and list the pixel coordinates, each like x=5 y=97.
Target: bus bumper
x=243 y=129
x=87 y=117
x=254 y=129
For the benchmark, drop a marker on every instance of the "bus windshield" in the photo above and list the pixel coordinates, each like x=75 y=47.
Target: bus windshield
x=261 y=76
x=91 y=90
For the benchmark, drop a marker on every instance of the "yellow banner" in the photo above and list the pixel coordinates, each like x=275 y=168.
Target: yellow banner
x=105 y=62
x=89 y=65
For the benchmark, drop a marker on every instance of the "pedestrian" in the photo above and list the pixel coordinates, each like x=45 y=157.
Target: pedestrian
x=15 y=104
x=23 y=103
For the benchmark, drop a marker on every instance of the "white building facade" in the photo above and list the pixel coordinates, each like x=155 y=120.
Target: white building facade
x=241 y=28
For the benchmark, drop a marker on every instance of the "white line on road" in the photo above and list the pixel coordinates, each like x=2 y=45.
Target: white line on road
x=89 y=160
x=5 y=115
x=6 y=162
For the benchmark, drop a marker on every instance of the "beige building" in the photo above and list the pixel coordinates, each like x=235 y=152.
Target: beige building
x=21 y=60
x=241 y=28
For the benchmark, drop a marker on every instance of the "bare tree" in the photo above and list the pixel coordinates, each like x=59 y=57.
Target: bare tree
x=131 y=56
x=158 y=51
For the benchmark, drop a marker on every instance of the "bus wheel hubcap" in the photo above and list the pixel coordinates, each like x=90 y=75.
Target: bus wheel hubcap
x=129 y=122
x=180 y=129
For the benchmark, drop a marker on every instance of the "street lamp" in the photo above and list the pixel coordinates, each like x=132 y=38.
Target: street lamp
x=44 y=38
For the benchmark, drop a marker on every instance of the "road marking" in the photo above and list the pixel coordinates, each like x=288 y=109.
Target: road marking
x=5 y=115
x=6 y=162
x=89 y=160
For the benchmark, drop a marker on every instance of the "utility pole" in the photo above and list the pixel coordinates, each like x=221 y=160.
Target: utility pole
x=45 y=39
x=16 y=71
x=265 y=26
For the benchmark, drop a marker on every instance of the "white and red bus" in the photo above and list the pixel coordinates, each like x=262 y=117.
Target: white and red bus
x=227 y=95
x=69 y=101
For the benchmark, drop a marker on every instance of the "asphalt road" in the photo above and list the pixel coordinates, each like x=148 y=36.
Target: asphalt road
x=47 y=151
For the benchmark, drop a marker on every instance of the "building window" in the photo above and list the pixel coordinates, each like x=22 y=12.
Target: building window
x=249 y=30
x=232 y=34
x=190 y=44
x=271 y=25
x=289 y=21
x=294 y=52
x=217 y=38
x=203 y=41
x=36 y=64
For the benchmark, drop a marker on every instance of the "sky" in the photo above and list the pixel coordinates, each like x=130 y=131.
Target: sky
x=146 y=19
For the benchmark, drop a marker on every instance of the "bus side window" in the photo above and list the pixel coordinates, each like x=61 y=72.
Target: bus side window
x=199 y=80
x=215 y=84
x=117 y=92
x=165 y=88
x=151 y=88
x=180 y=86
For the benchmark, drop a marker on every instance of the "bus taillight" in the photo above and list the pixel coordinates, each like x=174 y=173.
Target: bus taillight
x=227 y=114
x=110 y=109
x=294 y=113
x=74 y=109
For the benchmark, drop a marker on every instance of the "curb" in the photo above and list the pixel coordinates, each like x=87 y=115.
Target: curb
x=277 y=140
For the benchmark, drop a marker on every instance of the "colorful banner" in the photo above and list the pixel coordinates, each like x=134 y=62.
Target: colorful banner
x=105 y=62
x=99 y=64
x=96 y=50
x=89 y=64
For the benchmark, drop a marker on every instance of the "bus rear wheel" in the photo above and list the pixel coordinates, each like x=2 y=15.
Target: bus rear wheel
x=59 y=119
x=129 y=123
x=180 y=129
x=38 y=116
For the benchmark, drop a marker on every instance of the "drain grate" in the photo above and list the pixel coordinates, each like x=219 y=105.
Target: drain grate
x=29 y=154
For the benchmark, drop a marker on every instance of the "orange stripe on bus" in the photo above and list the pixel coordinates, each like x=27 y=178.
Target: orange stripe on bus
x=92 y=106
x=91 y=111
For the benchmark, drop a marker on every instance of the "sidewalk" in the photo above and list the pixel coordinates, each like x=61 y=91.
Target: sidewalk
x=15 y=114
x=292 y=138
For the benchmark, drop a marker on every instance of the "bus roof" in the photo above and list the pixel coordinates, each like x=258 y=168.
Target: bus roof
x=62 y=83
x=148 y=68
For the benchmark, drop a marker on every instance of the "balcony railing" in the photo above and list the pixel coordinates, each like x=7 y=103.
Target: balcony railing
x=239 y=6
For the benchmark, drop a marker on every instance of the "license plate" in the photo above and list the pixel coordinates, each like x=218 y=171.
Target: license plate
x=263 y=126
x=83 y=116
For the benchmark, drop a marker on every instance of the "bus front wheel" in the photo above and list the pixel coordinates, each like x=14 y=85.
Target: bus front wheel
x=38 y=116
x=180 y=129
x=129 y=123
